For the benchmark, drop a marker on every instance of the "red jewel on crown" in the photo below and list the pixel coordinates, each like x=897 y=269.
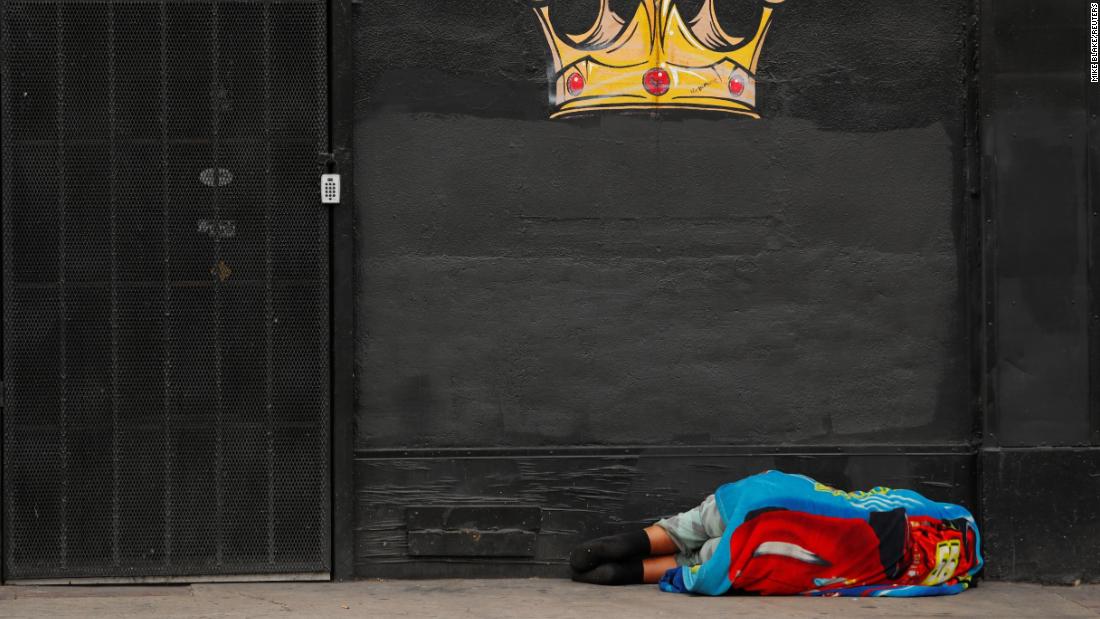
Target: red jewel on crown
x=575 y=84
x=656 y=81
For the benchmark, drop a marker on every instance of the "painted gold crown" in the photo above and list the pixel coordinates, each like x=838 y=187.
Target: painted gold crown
x=654 y=61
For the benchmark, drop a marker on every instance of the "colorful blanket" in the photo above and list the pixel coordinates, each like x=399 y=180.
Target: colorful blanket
x=788 y=534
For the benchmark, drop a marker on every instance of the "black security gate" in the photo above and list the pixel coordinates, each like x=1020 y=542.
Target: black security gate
x=166 y=289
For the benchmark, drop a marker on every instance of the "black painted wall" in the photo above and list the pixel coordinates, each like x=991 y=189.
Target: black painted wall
x=603 y=318
x=630 y=280
x=1040 y=463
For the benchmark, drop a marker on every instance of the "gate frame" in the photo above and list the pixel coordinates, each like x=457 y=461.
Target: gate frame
x=342 y=235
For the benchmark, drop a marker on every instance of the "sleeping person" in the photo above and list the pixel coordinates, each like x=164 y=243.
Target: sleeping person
x=781 y=534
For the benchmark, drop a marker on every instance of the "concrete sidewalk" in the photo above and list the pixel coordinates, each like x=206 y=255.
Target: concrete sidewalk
x=535 y=598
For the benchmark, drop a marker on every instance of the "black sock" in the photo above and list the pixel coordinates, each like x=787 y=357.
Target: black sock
x=625 y=573
x=610 y=549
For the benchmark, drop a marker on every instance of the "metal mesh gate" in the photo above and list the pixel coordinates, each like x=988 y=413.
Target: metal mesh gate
x=165 y=282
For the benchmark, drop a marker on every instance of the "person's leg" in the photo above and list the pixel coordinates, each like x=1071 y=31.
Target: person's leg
x=618 y=559
x=617 y=573
x=654 y=568
x=625 y=559
x=690 y=530
x=650 y=541
x=635 y=572
x=660 y=542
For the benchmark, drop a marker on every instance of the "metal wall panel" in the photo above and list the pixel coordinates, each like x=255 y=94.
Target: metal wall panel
x=166 y=289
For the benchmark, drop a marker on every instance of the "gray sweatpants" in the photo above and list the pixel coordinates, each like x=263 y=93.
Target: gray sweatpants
x=695 y=532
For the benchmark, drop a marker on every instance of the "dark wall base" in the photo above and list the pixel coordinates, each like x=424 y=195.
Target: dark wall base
x=582 y=493
x=1042 y=514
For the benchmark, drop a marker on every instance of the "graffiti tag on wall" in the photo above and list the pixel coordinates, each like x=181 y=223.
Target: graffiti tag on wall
x=645 y=55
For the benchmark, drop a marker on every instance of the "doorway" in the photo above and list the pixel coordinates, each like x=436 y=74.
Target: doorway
x=166 y=291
